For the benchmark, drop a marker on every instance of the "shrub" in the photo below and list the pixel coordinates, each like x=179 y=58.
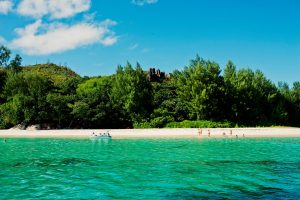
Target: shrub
x=199 y=124
x=158 y=122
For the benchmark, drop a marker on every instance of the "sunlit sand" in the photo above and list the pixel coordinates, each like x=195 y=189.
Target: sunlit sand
x=157 y=133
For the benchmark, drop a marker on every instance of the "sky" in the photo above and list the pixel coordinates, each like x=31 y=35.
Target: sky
x=93 y=37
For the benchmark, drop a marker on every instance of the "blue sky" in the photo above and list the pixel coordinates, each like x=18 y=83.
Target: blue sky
x=93 y=37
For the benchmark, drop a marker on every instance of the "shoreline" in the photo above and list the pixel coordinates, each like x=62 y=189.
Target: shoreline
x=156 y=133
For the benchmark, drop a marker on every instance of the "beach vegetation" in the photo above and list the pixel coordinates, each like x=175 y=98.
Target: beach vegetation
x=199 y=124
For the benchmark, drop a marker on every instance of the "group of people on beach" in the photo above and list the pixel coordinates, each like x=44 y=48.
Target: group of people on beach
x=106 y=134
x=200 y=133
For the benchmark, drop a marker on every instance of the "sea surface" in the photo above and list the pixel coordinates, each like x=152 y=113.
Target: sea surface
x=150 y=169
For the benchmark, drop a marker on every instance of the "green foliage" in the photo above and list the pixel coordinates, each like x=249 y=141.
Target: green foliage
x=93 y=98
x=25 y=99
x=142 y=125
x=199 y=124
x=158 y=122
x=6 y=61
x=4 y=56
x=16 y=63
x=252 y=96
x=131 y=93
x=2 y=81
x=167 y=103
x=93 y=107
x=57 y=74
x=201 y=88
x=198 y=96
x=60 y=108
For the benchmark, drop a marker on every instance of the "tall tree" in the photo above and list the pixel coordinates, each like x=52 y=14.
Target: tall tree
x=4 y=56
x=131 y=93
x=231 y=94
x=16 y=63
x=201 y=87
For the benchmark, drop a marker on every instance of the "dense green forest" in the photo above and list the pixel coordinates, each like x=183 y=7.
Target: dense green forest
x=200 y=95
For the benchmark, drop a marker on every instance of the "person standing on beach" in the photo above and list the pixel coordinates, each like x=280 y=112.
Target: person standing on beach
x=208 y=133
x=200 y=132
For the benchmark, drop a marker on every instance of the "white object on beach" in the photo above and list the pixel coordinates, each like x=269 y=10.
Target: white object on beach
x=101 y=135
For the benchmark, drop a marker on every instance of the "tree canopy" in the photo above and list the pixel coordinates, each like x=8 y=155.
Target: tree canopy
x=201 y=92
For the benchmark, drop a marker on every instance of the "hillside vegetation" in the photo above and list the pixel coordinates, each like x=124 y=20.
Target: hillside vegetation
x=57 y=74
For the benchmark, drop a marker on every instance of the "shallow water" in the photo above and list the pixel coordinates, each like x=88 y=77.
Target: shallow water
x=150 y=169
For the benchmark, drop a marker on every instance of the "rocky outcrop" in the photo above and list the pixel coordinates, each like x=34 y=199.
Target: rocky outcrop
x=21 y=126
x=156 y=75
x=34 y=127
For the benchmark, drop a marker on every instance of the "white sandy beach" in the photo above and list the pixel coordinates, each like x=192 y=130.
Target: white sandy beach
x=157 y=133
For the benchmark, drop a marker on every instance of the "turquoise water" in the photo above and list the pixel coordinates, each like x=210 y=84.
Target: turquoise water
x=150 y=169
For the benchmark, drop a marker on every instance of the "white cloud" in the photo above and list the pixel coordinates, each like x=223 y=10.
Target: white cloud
x=5 y=6
x=45 y=39
x=56 y=9
x=2 y=41
x=41 y=38
x=134 y=46
x=143 y=2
